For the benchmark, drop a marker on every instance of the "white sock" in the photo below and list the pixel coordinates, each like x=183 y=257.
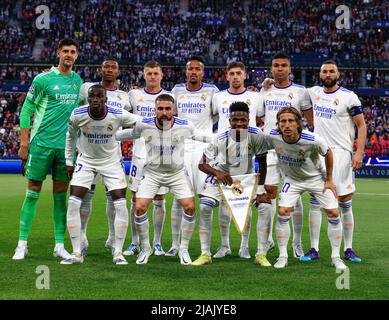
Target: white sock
x=224 y=225
x=176 y=219
x=297 y=221
x=110 y=212
x=188 y=224
x=73 y=222
x=348 y=223
x=159 y=214
x=85 y=211
x=314 y=223
x=120 y=223
x=335 y=235
x=283 y=234
x=205 y=224
x=272 y=211
x=142 y=227
x=22 y=243
x=244 y=242
x=263 y=227
x=134 y=232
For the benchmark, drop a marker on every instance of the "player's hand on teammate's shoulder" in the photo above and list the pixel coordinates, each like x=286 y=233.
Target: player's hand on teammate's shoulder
x=69 y=172
x=224 y=177
x=253 y=88
x=267 y=83
x=329 y=184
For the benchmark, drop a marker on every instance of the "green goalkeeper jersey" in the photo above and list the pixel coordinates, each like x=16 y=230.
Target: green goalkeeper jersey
x=52 y=97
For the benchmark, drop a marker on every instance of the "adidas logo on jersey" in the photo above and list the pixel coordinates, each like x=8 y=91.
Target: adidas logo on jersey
x=56 y=87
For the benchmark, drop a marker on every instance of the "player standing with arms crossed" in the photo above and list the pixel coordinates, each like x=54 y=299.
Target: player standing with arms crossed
x=51 y=98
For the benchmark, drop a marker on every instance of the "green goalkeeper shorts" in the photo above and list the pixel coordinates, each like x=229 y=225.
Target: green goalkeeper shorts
x=41 y=159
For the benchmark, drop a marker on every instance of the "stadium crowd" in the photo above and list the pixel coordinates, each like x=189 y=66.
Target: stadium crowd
x=376 y=112
x=136 y=31
x=133 y=76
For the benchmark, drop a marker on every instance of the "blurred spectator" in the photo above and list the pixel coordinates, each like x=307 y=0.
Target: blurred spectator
x=135 y=31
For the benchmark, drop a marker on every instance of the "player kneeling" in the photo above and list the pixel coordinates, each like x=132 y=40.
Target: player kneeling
x=298 y=152
x=98 y=154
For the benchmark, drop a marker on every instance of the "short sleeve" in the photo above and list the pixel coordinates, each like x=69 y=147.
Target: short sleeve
x=321 y=145
x=306 y=103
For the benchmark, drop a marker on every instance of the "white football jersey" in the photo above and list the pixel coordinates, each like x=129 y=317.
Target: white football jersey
x=115 y=98
x=165 y=148
x=142 y=104
x=300 y=160
x=222 y=100
x=333 y=116
x=236 y=157
x=196 y=106
x=276 y=98
x=97 y=144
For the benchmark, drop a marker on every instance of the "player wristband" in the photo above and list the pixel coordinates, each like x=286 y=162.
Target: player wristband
x=261 y=189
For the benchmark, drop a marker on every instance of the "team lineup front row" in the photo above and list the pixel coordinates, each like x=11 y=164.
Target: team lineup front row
x=175 y=150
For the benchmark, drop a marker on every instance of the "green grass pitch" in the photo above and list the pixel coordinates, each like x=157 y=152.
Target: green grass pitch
x=165 y=278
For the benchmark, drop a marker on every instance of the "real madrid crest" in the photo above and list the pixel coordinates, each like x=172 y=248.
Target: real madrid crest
x=110 y=127
x=290 y=95
x=237 y=188
x=336 y=101
x=203 y=97
x=74 y=87
x=119 y=96
x=248 y=102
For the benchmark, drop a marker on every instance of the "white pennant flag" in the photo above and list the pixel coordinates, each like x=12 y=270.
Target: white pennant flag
x=238 y=198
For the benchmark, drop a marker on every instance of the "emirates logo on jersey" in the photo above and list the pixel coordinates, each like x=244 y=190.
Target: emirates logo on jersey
x=248 y=102
x=336 y=101
x=290 y=95
x=110 y=127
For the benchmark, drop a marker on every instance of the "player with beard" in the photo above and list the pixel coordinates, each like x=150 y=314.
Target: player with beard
x=336 y=113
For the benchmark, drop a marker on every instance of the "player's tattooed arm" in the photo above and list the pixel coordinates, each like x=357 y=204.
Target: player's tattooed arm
x=221 y=176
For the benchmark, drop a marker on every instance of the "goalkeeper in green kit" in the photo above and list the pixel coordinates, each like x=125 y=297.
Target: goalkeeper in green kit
x=51 y=98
